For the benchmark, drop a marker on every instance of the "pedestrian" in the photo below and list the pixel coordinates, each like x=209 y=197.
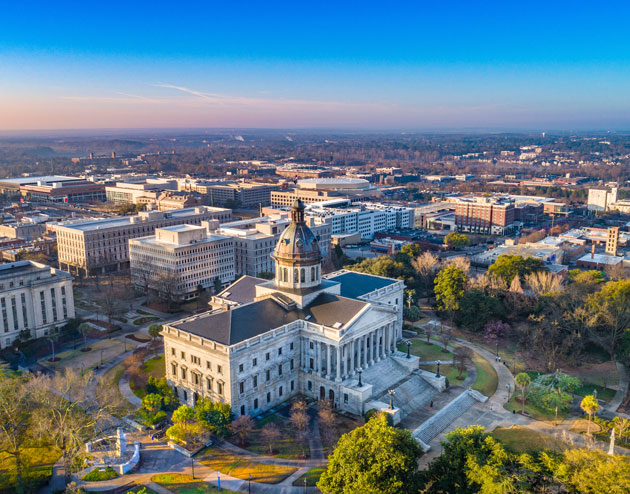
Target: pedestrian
x=431 y=405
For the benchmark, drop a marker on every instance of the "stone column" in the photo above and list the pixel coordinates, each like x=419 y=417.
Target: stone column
x=329 y=374
x=338 y=363
x=353 y=364
x=373 y=338
x=317 y=366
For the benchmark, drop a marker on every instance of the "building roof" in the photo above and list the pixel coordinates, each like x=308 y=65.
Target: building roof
x=355 y=284
x=233 y=326
x=601 y=259
x=242 y=291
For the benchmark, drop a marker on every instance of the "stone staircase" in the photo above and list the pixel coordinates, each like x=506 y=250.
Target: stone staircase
x=411 y=393
x=430 y=429
x=384 y=375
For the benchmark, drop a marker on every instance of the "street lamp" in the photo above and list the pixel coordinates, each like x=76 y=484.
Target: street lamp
x=249 y=484
x=101 y=357
x=192 y=463
x=304 y=485
x=437 y=374
x=360 y=371
x=408 y=348
x=391 y=394
x=497 y=348
x=507 y=386
x=52 y=343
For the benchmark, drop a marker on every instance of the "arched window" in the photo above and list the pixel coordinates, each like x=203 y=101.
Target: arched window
x=302 y=275
x=313 y=273
x=296 y=275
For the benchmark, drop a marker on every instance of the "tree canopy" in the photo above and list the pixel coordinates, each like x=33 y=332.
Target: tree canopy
x=373 y=459
x=450 y=286
x=508 y=266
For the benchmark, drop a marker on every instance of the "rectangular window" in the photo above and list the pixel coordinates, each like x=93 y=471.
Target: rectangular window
x=310 y=343
x=241 y=387
x=183 y=356
x=292 y=385
x=280 y=391
x=220 y=388
x=310 y=386
x=240 y=367
x=207 y=364
x=256 y=403
x=311 y=363
x=280 y=351
x=173 y=351
x=280 y=370
x=42 y=300
x=209 y=383
x=255 y=381
x=15 y=315
x=24 y=313
x=268 y=397
x=267 y=356
x=291 y=346
x=174 y=369
x=345 y=398
x=219 y=369
x=268 y=375
x=254 y=362
x=291 y=364
x=183 y=374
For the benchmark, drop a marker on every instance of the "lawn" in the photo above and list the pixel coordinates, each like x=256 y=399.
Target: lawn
x=185 y=484
x=286 y=446
x=138 y=488
x=605 y=394
x=312 y=477
x=430 y=351
x=98 y=475
x=107 y=348
x=37 y=470
x=523 y=440
x=145 y=319
x=152 y=367
x=487 y=379
x=448 y=371
x=236 y=466
x=533 y=411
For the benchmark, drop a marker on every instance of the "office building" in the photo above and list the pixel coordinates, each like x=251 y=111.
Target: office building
x=600 y=199
x=178 y=260
x=227 y=192
x=101 y=245
x=486 y=215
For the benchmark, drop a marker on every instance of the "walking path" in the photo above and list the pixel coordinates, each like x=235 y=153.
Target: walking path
x=622 y=389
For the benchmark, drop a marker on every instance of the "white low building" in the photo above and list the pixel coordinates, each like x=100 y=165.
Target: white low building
x=179 y=259
x=34 y=298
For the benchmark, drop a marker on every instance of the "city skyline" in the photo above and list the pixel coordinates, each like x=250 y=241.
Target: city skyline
x=355 y=66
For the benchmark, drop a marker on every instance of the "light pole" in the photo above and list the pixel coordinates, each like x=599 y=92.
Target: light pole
x=304 y=485
x=408 y=348
x=52 y=343
x=497 y=348
x=437 y=374
x=192 y=464
x=249 y=484
x=391 y=394
x=507 y=386
x=101 y=357
x=360 y=372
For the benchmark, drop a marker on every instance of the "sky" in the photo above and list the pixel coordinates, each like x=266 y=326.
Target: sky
x=388 y=65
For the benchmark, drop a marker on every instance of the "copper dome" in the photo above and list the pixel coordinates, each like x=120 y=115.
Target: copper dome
x=297 y=242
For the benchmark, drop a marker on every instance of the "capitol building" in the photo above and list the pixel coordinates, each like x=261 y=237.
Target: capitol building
x=328 y=337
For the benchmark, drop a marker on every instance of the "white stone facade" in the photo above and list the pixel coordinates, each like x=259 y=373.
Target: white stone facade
x=33 y=297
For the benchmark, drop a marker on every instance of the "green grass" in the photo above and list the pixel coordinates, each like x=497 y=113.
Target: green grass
x=312 y=477
x=144 y=312
x=532 y=410
x=487 y=379
x=98 y=475
x=38 y=463
x=285 y=447
x=152 y=367
x=587 y=388
x=138 y=488
x=145 y=319
x=431 y=351
x=185 y=484
x=239 y=467
x=448 y=371
x=523 y=440
x=111 y=378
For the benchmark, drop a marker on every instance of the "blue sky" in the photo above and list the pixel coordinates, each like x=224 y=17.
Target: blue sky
x=377 y=65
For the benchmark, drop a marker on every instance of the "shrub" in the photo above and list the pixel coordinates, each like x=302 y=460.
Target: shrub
x=98 y=475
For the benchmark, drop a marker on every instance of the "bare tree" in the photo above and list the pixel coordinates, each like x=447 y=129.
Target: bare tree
x=327 y=420
x=543 y=282
x=16 y=410
x=428 y=332
x=461 y=262
x=616 y=272
x=445 y=337
x=242 y=427
x=85 y=329
x=299 y=419
x=426 y=265
x=462 y=357
x=271 y=434
x=69 y=413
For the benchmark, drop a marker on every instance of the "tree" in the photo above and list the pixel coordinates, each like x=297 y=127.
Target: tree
x=590 y=406
x=85 y=329
x=621 y=425
x=551 y=391
x=543 y=283
x=151 y=412
x=16 y=411
x=522 y=380
x=154 y=331
x=217 y=285
x=461 y=262
x=495 y=330
x=375 y=458
x=610 y=309
x=450 y=286
x=270 y=433
x=411 y=250
x=327 y=419
x=476 y=309
x=426 y=266
x=215 y=417
x=508 y=266
x=242 y=426
x=380 y=266
x=185 y=429
x=462 y=357
x=445 y=337
x=69 y=414
x=456 y=240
